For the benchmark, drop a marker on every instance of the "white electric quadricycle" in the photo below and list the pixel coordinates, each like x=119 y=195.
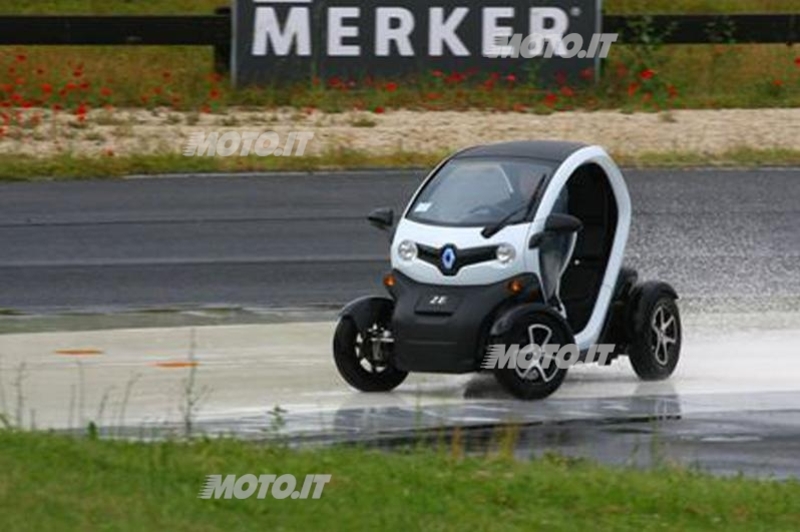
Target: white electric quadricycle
x=513 y=244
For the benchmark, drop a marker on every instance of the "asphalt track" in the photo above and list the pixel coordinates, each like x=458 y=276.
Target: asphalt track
x=725 y=238
x=729 y=240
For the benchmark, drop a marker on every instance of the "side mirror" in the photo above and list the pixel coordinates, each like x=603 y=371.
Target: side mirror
x=556 y=224
x=562 y=224
x=382 y=218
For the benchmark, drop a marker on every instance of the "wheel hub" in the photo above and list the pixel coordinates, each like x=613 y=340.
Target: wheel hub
x=666 y=334
x=534 y=363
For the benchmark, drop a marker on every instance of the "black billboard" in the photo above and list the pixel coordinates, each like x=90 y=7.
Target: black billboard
x=286 y=40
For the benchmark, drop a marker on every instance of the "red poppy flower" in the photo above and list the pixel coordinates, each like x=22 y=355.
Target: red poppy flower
x=777 y=82
x=672 y=91
x=21 y=58
x=437 y=73
x=550 y=99
x=511 y=78
x=214 y=94
x=632 y=88
x=47 y=88
x=433 y=96
x=567 y=92
x=587 y=74
x=797 y=61
x=379 y=110
x=390 y=87
x=105 y=91
x=647 y=74
x=455 y=77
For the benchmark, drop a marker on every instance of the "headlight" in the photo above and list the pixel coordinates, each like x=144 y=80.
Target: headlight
x=506 y=253
x=407 y=250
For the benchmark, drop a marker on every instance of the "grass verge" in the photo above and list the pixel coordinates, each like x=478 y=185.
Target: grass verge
x=57 y=483
x=638 y=77
x=68 y=167
x=169 y=7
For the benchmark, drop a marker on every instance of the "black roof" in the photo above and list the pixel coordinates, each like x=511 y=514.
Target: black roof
x=549 y=150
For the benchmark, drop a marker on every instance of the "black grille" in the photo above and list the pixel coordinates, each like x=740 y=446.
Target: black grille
x=464 y=257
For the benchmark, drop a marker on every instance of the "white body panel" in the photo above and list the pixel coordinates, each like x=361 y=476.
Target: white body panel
x=463 y=237
x=518 y=236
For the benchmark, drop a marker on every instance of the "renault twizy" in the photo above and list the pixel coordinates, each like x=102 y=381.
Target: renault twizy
x=518 y=243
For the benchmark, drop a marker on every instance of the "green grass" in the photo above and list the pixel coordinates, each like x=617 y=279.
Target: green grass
x=68 y=167
x=703 y=76
x=208 y=6
x=56 y=483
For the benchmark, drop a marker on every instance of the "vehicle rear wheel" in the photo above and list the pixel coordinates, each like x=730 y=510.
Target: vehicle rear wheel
x=535 y=375
x=656 y=343
x=362 y=357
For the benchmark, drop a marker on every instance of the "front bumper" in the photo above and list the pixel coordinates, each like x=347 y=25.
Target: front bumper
x=444 y=328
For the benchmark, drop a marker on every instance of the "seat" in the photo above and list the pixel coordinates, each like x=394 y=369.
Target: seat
x=592 y=201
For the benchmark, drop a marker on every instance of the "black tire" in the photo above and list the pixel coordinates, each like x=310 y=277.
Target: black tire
x=350 y=354
x=534 y=386
x=653 y=355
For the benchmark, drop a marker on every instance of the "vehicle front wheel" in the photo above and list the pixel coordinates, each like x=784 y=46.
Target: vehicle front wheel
x=534 y=375
x=656 y=344
x=362 y=357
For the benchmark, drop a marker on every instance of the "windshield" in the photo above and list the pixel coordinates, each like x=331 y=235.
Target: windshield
x=478 y=192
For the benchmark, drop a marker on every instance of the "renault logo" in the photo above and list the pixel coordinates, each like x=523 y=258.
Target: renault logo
x=448 y=257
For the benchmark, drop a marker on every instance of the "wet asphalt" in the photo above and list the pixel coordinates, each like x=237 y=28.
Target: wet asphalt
x=727 y=239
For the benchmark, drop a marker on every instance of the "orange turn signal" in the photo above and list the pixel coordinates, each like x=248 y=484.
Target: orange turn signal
x=515 y=286
x=388 y=280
